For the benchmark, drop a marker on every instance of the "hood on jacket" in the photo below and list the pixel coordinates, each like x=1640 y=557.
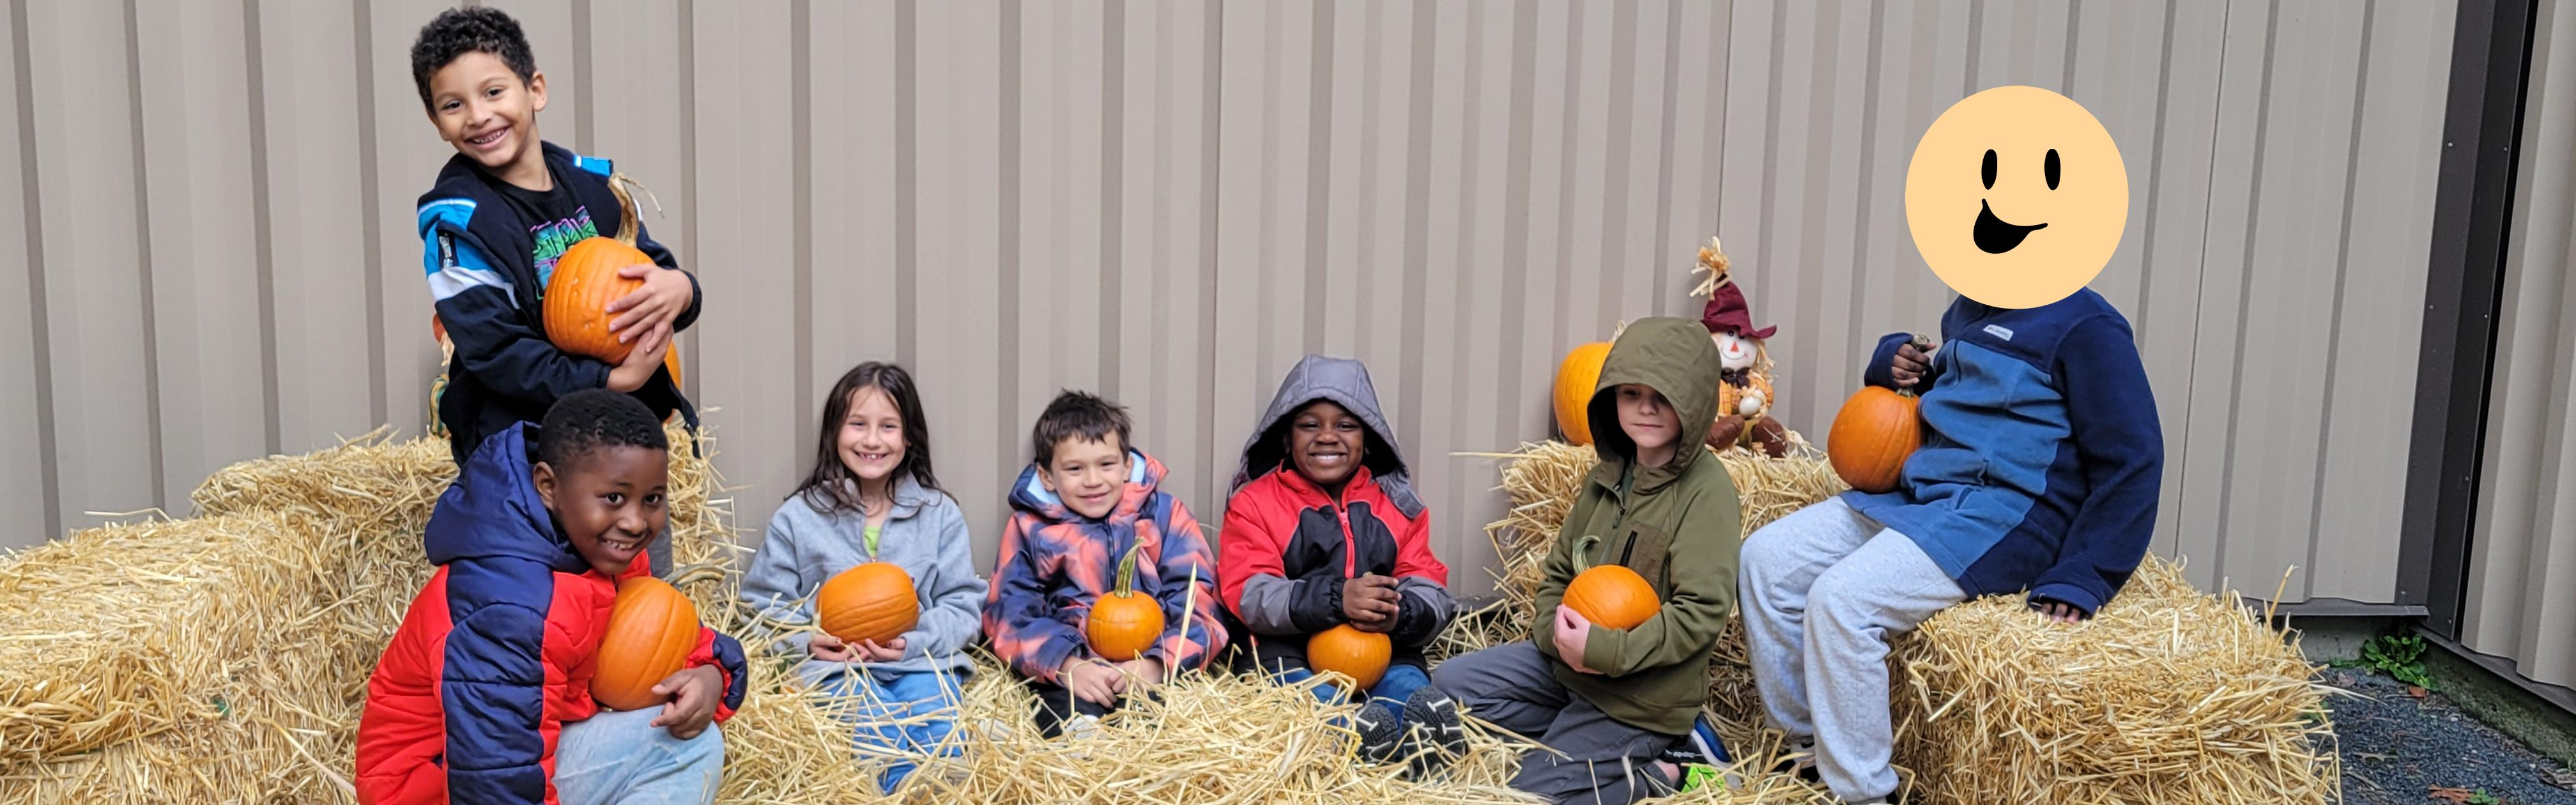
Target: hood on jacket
x=1144 y=475
x=493 y=510
x=1675 y=357
x=1344 y=382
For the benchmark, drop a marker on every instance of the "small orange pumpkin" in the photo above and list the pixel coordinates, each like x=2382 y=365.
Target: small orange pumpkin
x=874 y=601
x=1610 y=595
x=1575 y=379
x=585 y=280
x=1874 y=433
x=1123 y=624
x=1362 y=656
x=651 y=631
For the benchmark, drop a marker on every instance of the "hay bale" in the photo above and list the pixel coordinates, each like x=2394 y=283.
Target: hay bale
x=2169 y=695
x=129 y=631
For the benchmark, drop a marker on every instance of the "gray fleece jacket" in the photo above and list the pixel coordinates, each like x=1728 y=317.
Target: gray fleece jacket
x=925 y=535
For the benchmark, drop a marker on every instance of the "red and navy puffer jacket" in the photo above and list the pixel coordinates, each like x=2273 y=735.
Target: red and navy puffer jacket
x=496 y=653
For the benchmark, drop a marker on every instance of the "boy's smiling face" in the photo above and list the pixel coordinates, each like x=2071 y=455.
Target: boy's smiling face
x=1326 y=443
x=610 y=501
x=1647 y=418
x=1087 y=475
x=482 y=108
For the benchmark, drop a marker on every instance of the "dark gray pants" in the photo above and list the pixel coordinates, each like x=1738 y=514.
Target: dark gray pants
x=1597 y=760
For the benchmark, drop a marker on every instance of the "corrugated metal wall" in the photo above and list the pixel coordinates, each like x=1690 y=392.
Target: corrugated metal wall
x=1171 y=202
x=2523 y=559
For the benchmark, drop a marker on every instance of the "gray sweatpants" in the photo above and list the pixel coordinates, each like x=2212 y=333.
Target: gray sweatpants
x=1823 y=590
x=1603 y=761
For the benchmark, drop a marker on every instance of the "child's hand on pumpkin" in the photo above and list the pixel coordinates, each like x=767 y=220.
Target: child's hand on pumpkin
x=1909 y=364
x=693 y=693
x=1092 y=680
x=1370 y=602
x=1573 y=633
x=830 y=649
x=889 y=651
x=641 y=363
x=663 y=298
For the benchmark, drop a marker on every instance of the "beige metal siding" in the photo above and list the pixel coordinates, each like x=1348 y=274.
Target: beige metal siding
x=2523 y=559
x=1170 y=202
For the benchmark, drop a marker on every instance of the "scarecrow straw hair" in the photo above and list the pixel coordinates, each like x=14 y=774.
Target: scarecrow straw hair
x=2168 y=695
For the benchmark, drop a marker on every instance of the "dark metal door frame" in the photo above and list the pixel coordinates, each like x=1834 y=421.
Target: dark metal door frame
x=2472 y=228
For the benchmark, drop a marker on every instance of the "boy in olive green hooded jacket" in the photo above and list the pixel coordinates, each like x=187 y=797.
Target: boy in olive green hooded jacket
x=1610 y=701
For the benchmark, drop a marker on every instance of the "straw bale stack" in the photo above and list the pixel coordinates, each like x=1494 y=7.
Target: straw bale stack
x=2169 y=695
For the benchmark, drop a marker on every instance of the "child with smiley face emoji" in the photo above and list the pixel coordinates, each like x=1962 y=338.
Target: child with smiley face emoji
x=2041 y=454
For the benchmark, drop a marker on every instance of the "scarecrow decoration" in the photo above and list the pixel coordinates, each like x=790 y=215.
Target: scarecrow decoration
x=1744 y=398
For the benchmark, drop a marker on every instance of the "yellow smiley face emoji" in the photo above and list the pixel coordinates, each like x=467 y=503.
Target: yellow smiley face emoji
x=2016 y=197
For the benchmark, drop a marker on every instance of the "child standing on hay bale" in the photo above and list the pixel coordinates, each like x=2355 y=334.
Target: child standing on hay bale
x=1609 y=703
x=1323 y=529
x=484 y=693
x=2039 y=470
x=871 y=497
x=503 y=210
x=1086 y=501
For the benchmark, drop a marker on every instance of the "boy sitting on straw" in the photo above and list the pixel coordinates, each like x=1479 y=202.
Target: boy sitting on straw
x=1323 y=529
x=1088 y=499
x=2039 y=470
x=484 y=694
x=1610 y=703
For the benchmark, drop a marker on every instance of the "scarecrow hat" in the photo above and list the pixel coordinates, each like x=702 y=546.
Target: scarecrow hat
x=1726 y=311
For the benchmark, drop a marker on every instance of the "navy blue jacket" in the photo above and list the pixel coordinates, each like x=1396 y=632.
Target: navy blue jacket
x=483 y=277
x=2041 y=457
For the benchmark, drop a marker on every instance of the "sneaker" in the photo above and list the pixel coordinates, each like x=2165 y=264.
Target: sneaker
x=1699 y=756
x=1800 y=761
x=1379 y=731
x=1439 y=733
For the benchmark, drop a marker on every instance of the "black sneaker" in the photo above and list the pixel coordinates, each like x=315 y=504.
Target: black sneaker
x=1799 y=760
x=1380 y=734
x=1439 y=735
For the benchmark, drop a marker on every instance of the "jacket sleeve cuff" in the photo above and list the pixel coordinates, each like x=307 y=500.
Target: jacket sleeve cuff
x=1316 y=605
x=1420 y=615
x=1602 y=649
x=2069 y=594
x=1048 y=660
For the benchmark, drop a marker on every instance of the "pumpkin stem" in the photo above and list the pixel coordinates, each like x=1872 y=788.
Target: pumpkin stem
x=1922 y=343
x=627 y=222
x=1583 y=552
x=1127 y=571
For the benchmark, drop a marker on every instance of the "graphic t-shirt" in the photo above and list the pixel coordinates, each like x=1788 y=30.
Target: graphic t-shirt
x=555 y=220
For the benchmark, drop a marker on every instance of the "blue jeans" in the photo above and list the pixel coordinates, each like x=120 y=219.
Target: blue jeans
x=620 y=757
x=1391 y=690
x=880 y=706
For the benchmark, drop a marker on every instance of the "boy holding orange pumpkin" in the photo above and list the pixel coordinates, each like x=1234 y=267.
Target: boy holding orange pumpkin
x=1659 y=513
x=1089 y=535
x=1323 y=531
x=2038 y=470
x=871 y=499
x=504 y=210
x=485 y=693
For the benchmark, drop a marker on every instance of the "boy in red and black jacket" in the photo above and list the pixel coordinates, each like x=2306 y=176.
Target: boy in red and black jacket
x=505 y=207
x=1323 y=529
x=484 y=694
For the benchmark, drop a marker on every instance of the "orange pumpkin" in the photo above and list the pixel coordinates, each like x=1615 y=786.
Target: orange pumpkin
x=1877 y=429
x=874 y=601
x=1575 y=379
x=651 y=631
x=585 y=280
x=1610 y=595
x=1362 y=656
x=1124 y=623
